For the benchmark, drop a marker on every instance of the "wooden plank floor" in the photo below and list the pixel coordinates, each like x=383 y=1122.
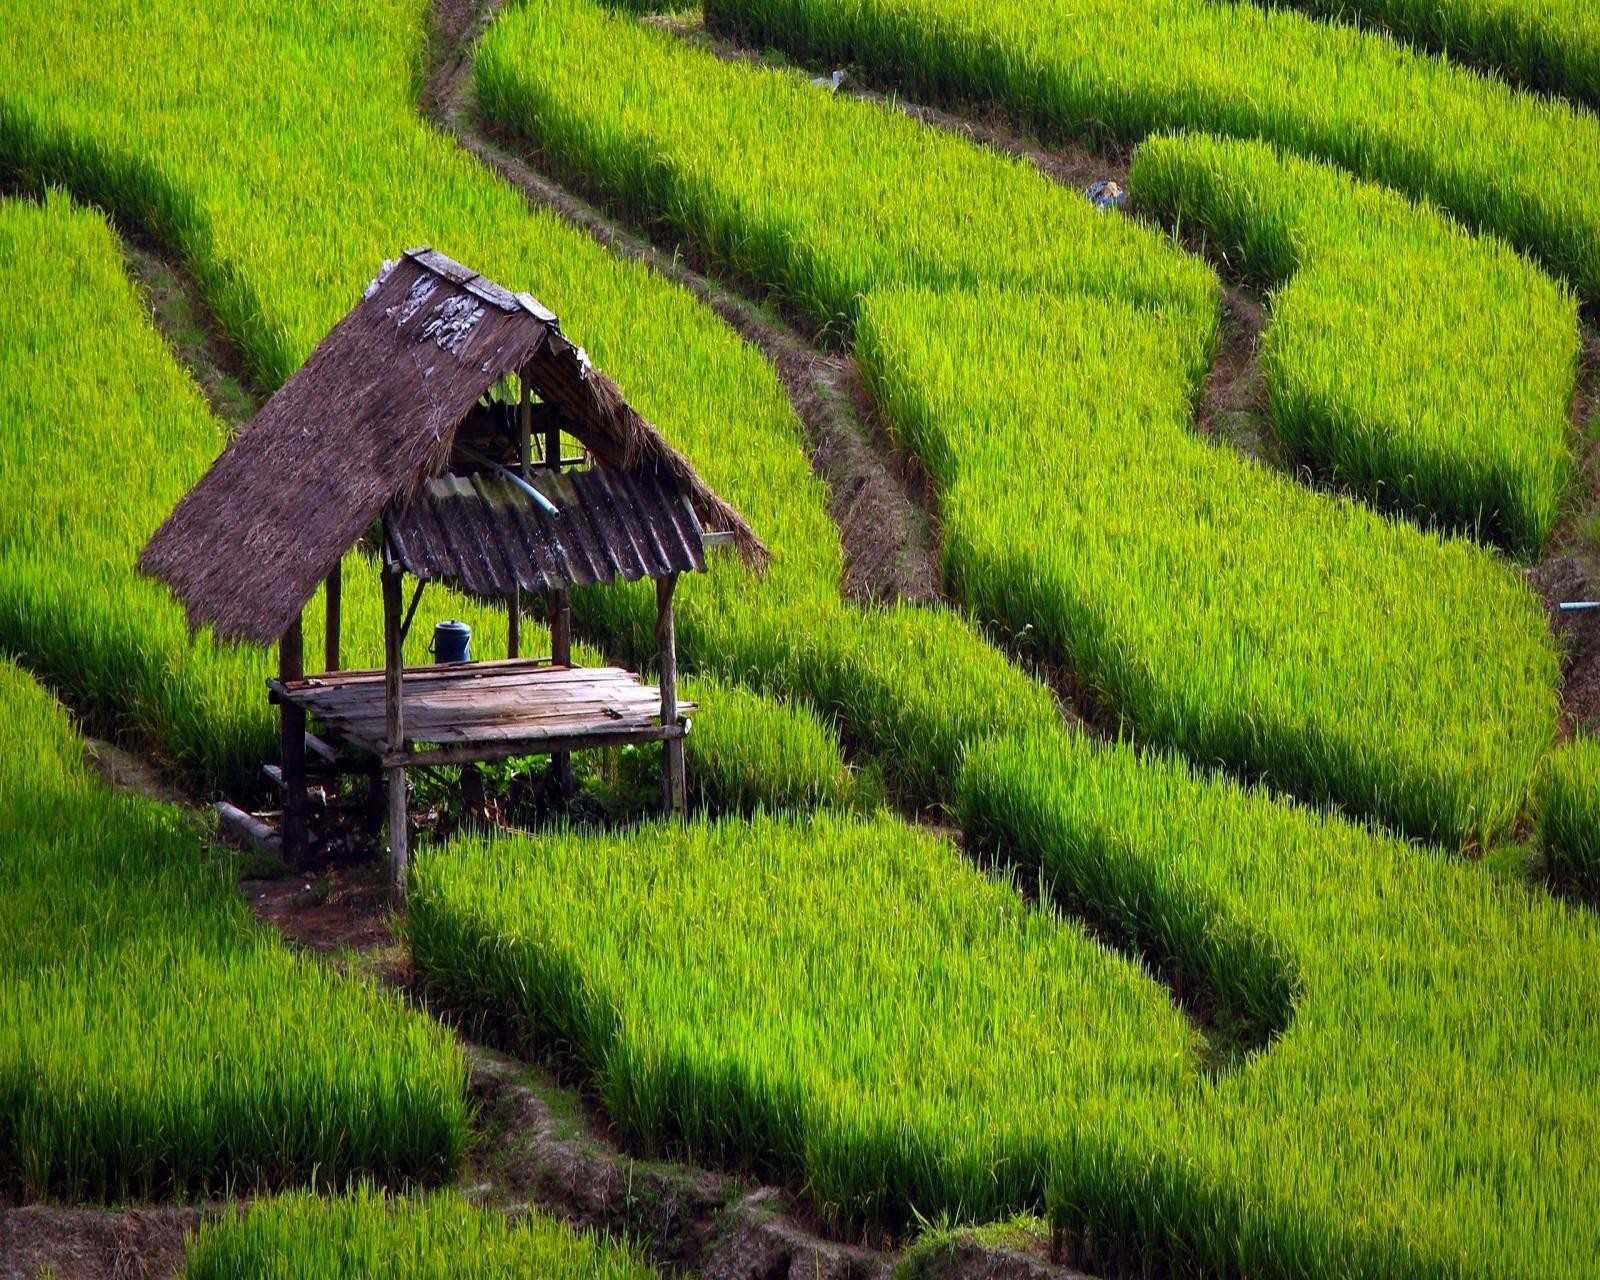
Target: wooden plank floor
x=520 y=700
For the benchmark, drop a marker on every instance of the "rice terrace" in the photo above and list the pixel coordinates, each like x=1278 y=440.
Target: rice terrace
x=812 y=639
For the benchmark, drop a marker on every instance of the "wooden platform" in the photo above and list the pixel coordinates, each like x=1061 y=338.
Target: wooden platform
x=484 y=710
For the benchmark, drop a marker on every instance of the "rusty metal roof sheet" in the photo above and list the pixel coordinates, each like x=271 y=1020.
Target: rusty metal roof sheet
x=487 y=533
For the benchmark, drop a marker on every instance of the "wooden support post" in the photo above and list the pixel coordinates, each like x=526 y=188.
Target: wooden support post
x=330 y=631
x=292 y=746
x=552 y=444
x=525 y=419
x=393 y=673
x=558 y=604
x=673 y=785
x=524 y=433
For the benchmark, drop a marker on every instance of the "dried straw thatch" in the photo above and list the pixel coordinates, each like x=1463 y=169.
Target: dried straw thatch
x=370 y=416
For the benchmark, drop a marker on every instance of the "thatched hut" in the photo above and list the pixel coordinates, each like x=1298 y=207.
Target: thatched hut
x=391 y=424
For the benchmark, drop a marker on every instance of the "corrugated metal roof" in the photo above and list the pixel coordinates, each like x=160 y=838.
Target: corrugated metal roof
x=487 y=533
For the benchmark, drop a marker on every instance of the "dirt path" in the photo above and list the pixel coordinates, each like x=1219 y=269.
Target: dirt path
x=186 y=320
x=95 y=1244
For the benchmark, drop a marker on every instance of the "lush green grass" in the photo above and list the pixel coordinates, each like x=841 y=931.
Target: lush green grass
x=853 y=1006
x=1428 y=369
x=366 y=1236
x=1254 y=624
x=1469 y=1149
x=1569 y=820
x=1547 y=44
x=844 y=1001
x=749 y=753
x=313 y=110
x=1497 y=158
x=1076 y=1082
x=816 y=200
x=152 y=1042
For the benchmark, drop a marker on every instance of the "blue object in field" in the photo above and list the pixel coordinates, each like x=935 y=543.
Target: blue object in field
x=1106 y=194
x=452 y=642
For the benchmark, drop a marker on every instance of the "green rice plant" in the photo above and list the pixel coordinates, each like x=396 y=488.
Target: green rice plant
x=1240 y=624
x=815 y=200
x=853 y=1006
x=842 y=1001
x=750 y=753
x=1569 y=818
x=140 y=114
x=133 y=115
x=1427 y=369
x=1469 y=1149
x=152 y=1042
x=368 y=1236
x=1254 y=624
x=1499 y=159
x=1552 y=45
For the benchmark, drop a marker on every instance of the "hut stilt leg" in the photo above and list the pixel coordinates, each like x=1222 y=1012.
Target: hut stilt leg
x=330 y=632
x=560 y=609
x=673 y=788
x=292 y=748
x=395 y=774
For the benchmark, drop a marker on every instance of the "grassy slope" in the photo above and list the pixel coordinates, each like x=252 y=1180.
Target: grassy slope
x=1552 y=45
x=852 y=1005
x=1428 y=369
x=793 y=642
x=369 y=1237
x=1255 y=624
x=152 y=1043
x=1498 y=159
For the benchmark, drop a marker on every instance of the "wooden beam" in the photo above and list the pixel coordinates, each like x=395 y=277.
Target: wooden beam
x=525 y=418
x=330 y=632
x=552 y=443
x=248 y=829
x=317 y=747
x=510 y=747
x=394 y=708
x=673 y=783
x=292 y=746
x=411 y=611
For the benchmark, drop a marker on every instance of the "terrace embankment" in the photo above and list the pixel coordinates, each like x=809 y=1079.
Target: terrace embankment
x=878 y=497
x=1233 y=407
x=180 y=311
x=95 y=1244
x=538 y=1144
x=982 y=123
x=1571 y=568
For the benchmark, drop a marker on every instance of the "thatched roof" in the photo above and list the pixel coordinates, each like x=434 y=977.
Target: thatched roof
x=365 y=421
